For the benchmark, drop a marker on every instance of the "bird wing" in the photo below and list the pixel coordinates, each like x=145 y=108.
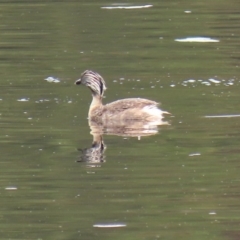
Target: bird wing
x=129 y=103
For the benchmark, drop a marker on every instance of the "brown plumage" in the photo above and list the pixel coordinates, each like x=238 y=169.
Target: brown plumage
x=125 y=110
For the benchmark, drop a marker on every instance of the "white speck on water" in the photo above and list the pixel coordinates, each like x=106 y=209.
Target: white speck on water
x=42 y=100
x=222 y=116
x=11 y=188
x=195 y=82
x=214 y=80
x=52 y=79
x=206 y=83
x=121 y=79
x=109 y=225
x=196 y=39
x=23 y=100
x=212 y=213
x=194 y=154
x=127 y=7
x=29 y=118
x=188 y=11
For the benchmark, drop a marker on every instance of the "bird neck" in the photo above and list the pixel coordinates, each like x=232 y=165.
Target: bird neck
x=96 y=103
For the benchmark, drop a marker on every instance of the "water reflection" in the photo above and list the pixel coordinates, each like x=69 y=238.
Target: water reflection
x=95 y=154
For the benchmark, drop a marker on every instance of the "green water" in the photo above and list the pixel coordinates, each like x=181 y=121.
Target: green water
x=182 y=183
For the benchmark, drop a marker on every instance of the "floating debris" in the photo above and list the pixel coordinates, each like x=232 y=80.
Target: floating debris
x=127 y=7
x=52 y=79
x=196 y=39
x=109 y=225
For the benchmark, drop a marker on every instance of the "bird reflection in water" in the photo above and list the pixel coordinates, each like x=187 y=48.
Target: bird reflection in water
x=94 y=155
x=129 y=117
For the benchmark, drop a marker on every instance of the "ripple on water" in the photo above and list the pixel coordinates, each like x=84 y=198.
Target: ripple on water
x=11 y=188
x=197 y=39
x=194 y=154
x=223 y=116
x=126 y=7
x=109 y=225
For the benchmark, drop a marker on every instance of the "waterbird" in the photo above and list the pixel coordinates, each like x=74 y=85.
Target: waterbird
x=128 y=110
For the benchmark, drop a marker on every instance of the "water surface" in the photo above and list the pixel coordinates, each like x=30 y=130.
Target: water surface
x=182 y=182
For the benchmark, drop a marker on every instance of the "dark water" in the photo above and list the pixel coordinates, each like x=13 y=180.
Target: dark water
x=182 y=183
